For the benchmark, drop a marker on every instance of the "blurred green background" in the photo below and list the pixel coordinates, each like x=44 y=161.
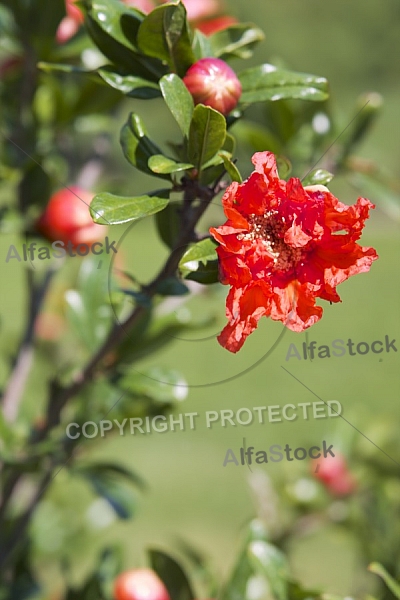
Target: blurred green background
x=191 y=495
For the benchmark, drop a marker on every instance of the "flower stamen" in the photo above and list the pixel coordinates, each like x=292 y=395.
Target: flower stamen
x=270 y=230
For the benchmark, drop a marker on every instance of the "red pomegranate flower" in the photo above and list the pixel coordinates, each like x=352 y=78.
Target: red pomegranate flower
x=282 y=247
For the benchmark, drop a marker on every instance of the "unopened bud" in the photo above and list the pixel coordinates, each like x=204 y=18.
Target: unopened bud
x=213 y=83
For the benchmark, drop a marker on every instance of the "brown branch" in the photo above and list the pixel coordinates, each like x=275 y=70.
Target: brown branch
x=60 y=396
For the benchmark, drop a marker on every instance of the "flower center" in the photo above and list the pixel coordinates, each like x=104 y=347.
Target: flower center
x=270 y=229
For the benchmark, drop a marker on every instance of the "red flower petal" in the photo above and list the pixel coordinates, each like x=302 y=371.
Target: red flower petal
x=244 y=308
x=283 y=247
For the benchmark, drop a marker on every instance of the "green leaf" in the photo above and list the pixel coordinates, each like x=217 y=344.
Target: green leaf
x=119 y=497
x=236 y=41
x=271 y=563
x=207 y=134
x=168 y=223
x=297 y=592
x=107 y=208
x=158 y=163
x=178 y=99
x=200 y=262
x=368 y=108
x=258 y=137
x=111 y=469
x=379 y=192
x=107 y=14
x=229 y=144
x=231 y=168
x=237 y=585
x=48 y=67
x=164 y=34
x=137 y=146
x=393 y=585
x=88 y=312
x=172 y=287
x=201 y=45
x=164 y=386
x=130 y=85
x=103 y=23
x=130 y=23
x=105 y=478
x=266 y=82
x=317 y=177
x=284 y=166
x=172 y=575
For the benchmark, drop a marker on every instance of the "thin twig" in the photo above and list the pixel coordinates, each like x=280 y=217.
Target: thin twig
x=24 y=359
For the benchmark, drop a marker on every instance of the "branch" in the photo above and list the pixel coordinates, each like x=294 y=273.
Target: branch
x=60 y=396
x=24 y=359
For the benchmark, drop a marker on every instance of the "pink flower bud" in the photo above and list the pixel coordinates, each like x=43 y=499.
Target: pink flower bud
x=213 y=83
x=334 y=474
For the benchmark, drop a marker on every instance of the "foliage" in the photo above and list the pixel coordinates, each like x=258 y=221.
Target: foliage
x=60 y=104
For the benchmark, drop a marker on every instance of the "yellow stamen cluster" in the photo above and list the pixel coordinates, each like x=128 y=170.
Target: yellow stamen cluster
x=270 y=230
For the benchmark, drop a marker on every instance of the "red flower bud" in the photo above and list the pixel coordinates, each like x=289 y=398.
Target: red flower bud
x=213 y=25
x=213 y=83
x=67 y=218
x=334 y=474
x=139 y=584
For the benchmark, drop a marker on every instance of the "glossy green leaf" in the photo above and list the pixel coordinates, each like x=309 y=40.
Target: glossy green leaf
x=200 y=262
x=202 y=251
x=172 y=575
x=266 y=82
x=207 y=134
x=271 y=563
x=164 y=165
x=107 y=14
x=214 y=168
x=236 y=41
x=392 y=584
x=231 y=168
x=107 y=208
x=137 y=146
x=164 y=34
x=178 y=99
x=103 y=23
x=214 y=161
x=163 y=385
x=201 y=45
x=130 y=85
x=317 y=177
